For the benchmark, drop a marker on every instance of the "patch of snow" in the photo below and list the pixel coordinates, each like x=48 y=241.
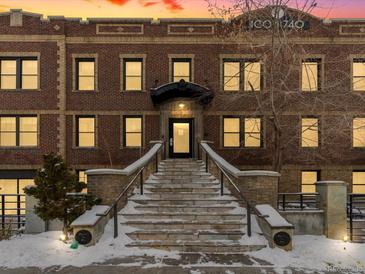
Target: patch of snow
x=317 y=253
x=273 y=217
x=90 y=217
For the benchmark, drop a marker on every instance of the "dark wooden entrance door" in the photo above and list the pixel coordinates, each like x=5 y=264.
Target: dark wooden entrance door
x=181 y=138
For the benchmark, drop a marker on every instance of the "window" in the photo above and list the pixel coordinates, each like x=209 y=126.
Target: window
x=181 y=70
x=85 y=131
x=236 y=72
x=358 y=78
x=358 y=182
x=358 y=132
x=231 y=132
x=309 y=178
x=19 y=73
x=18 y=131
x=311 y=69
x=85 y=74
x=252 y=132
x=132 y=78
x=310 y=132
x=14 y=186
x=82 y=178
x=133 y=131
x=232 y=76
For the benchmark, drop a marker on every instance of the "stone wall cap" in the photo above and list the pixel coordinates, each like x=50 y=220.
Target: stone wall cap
x=331 y=183
x=90 y=217
x=273 y=217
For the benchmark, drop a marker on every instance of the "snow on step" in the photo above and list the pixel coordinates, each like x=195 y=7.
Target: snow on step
x=182 y=210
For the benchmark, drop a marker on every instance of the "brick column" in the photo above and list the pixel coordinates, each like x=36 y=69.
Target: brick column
x=259 y=187
x=333 y=200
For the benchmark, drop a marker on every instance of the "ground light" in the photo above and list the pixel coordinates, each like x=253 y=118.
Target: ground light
x=345 y=238
x=63 y=237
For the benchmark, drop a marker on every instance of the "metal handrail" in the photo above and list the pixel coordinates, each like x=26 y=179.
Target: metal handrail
x=351 y=214
x=18 y=216
x=114 y=205
x=283 y=202
x=249 y=207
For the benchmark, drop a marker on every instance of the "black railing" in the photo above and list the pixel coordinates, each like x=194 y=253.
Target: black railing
x=224 y=174
x=138 y=174
x=12 y=211
x=298 y=201
x=356 y=217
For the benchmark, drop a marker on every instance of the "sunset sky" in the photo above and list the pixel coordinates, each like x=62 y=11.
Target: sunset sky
x=161 y=8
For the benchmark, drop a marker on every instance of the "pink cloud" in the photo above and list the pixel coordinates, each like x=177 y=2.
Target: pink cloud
x=145 y=3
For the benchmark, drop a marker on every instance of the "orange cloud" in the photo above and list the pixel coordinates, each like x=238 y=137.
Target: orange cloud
x=118 y=2
x=148 y=3
x=173 y=5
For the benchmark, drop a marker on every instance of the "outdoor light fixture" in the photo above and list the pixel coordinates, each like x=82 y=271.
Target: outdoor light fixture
x=63 y=237
x=345 y=238
x=181 y=105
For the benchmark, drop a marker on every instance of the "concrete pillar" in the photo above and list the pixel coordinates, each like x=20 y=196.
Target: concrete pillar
x=33 y=224
x=332 y=200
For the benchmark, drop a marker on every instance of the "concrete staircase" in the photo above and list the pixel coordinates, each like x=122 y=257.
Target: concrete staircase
x=182 y=210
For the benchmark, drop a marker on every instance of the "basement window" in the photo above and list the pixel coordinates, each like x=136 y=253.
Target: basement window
x=358 y=182
x=309 y=178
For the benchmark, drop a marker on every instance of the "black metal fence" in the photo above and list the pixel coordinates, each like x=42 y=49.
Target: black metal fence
x=298 y=201
x=12 y=208
x=356 y=217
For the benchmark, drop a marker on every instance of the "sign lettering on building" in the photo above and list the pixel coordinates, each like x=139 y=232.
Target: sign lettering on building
x=279 y=18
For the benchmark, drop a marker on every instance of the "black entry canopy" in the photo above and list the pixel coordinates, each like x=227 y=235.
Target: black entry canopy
x=181 y=89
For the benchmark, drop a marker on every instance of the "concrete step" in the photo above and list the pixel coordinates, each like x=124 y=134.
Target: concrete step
x=186 y=202
x=184 y=209
x=184 y=217
x=182 y=195
x=156 y=184
x=183 y=180
x=183 y=189
x=182 y=173
x=180 y=235
x=162 y=176
x=198 y=246
x=187 y=225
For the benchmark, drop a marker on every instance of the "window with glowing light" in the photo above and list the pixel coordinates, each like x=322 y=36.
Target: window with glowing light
x=309 y=178
x=133 y=71
x=18 y=131
x=242 y=74
x=181 y=69
x=358 y=182
x=358 y=77
x=85 y=131
x=19 y=73
x=358 y=132
x=252 y=132
x=231 y=132
x=132 y=131
x=85 y=74
x=311 y=72
x=310 y=132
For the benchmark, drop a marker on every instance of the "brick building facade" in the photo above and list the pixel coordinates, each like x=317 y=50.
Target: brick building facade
x=112 y=55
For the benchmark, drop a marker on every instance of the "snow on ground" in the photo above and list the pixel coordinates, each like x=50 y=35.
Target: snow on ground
x=45 y=250
x=317 y=253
